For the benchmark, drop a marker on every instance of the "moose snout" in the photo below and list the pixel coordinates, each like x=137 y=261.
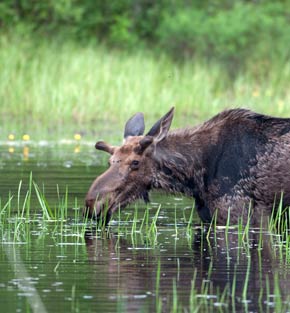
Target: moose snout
x=99 y=201
x=89 y=209
x=95 y=210
x=93 y=207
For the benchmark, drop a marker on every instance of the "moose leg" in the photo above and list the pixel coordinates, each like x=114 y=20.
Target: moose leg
x=237 y=208
x=203 y=211
x=104 y=219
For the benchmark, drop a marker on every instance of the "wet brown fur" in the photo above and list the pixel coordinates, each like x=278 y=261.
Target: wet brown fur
x=236 y=160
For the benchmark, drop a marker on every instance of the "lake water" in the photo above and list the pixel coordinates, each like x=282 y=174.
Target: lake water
x=143 y=262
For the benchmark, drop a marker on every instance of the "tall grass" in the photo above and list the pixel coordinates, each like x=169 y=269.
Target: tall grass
x=59 y=85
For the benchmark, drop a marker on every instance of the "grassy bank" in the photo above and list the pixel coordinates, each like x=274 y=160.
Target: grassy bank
x=48 y=88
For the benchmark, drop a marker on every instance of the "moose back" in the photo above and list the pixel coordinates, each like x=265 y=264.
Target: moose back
x=238 y=161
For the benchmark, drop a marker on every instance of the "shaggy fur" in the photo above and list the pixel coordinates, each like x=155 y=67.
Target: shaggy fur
x=235 y=161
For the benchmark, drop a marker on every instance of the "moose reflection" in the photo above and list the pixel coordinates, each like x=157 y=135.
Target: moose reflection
x=238 y=160
x=219 y=263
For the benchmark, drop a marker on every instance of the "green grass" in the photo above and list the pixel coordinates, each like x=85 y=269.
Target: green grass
x=49 y=88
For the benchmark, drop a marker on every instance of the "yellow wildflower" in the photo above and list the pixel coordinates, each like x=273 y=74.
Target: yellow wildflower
x=26 y=137
x=11 y=137
x=77 y=136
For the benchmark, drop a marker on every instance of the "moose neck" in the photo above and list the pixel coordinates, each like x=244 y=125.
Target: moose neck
x=179 y=163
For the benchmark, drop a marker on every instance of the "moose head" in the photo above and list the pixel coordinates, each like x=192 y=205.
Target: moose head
x=133 y=168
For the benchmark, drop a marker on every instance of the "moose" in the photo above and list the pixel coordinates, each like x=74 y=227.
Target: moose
x=237 y=162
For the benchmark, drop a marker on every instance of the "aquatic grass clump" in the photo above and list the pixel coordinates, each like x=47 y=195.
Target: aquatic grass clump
x=280 y=220
x=30 y=205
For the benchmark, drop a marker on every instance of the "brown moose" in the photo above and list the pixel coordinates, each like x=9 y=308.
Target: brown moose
x=238 y=160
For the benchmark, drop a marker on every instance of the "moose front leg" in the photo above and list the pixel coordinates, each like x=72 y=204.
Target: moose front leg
x=203 y=211
x=104 y=218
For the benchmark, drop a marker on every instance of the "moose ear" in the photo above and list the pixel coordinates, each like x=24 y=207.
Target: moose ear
x=101 y=145
x=135 y=125
x=160 y=129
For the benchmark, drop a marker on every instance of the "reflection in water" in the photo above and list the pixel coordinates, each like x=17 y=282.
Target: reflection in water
x=25 y=150
x=25 y=153
x=77 y=149
x=11 y=150
x=23 y=279
x=249 y=278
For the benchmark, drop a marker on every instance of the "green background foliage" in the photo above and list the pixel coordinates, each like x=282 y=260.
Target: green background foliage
x=227 y=30
x=92 y=63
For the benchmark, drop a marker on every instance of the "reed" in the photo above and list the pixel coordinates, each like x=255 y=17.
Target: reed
x=157 y=287
x=246 y=281
x=145 y=219
x=135 y=221
x=46 y=210
x=233 y=290
x=5 y=210
x=175 y=306
x=212 y=227
x=190 y=220
x=153 y=226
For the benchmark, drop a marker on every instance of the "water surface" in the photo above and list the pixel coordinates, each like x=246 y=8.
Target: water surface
x=65 y=265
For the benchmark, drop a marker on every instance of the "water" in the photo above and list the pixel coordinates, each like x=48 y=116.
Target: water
x=69 y=266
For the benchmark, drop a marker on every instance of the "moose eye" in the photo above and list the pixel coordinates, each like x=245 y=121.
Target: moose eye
x=134 y=165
